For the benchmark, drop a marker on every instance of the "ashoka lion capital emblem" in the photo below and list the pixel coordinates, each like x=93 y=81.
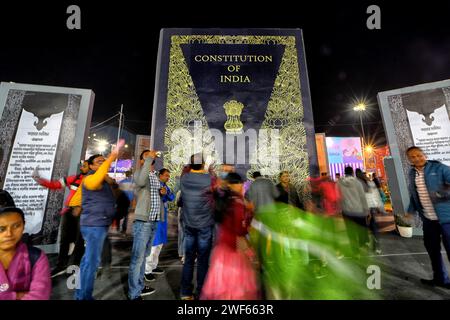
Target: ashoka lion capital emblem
x=233 y=110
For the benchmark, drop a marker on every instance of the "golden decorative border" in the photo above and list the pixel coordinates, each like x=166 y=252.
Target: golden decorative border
x=284 y=111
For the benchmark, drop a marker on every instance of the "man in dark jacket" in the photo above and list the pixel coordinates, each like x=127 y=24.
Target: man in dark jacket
x=198 y=225
x=429 y=183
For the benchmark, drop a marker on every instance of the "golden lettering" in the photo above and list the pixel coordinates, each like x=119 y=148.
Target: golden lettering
x=233 y=58
x=234 y=79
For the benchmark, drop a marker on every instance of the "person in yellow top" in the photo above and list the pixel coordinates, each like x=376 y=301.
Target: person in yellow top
x=95 y=180
x=98 y=209
x=75 y=202
x=75 y=205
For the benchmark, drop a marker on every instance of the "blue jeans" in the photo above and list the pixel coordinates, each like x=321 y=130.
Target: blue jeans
x=143 y=234
x=95 y=238
x=433 y=233
x=198 y=244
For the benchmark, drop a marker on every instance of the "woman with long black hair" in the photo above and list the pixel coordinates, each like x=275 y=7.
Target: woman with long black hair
x=231 y=275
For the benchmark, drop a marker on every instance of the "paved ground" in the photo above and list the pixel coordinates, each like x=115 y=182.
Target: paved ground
x=403 y=262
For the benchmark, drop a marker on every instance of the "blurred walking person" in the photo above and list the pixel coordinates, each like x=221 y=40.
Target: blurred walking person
x=354 y=210
x=231 y=275
x=375 y=205
x=332 y=210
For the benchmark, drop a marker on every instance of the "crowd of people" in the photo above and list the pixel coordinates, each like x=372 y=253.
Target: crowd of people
x=250 y=239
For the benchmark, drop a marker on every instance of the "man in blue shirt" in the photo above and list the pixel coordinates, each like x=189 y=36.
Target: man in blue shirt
x=429 y=187
x=151 y=266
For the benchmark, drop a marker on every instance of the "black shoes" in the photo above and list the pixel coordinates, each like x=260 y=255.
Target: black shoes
x=158 y=271
x=147 y=291
x=149 y=277
x=435 y=283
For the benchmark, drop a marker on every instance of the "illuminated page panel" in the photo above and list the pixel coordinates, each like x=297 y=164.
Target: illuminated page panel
x=32 y=148
x=434 y=137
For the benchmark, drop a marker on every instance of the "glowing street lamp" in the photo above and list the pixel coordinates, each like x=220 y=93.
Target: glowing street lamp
x=102 y=145
x=360 y=108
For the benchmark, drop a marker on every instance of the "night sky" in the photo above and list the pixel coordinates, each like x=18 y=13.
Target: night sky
x=114 y=53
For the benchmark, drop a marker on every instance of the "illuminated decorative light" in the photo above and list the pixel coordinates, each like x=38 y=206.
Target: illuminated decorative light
x=369 y=148
x=360 y=107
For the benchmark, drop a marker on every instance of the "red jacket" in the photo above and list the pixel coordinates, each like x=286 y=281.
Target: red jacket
x=235 y=223
x=71 y=182
x=331 y=197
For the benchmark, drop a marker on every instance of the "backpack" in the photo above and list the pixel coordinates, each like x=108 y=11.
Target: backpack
x=33 y=254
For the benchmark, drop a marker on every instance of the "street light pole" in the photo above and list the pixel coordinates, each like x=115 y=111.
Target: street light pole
x=360 y=108
x=362 y=129
x=118 y=137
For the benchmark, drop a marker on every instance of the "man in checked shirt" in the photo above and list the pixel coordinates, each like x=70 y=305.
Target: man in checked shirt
x=147 y=214
x=429 y=183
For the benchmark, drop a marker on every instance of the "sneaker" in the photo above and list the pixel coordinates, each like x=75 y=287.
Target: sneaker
x=57 y=271
x=158 y=271
x=147 y=291
x=191 y=297
x=149 y=277
x=135 y=299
